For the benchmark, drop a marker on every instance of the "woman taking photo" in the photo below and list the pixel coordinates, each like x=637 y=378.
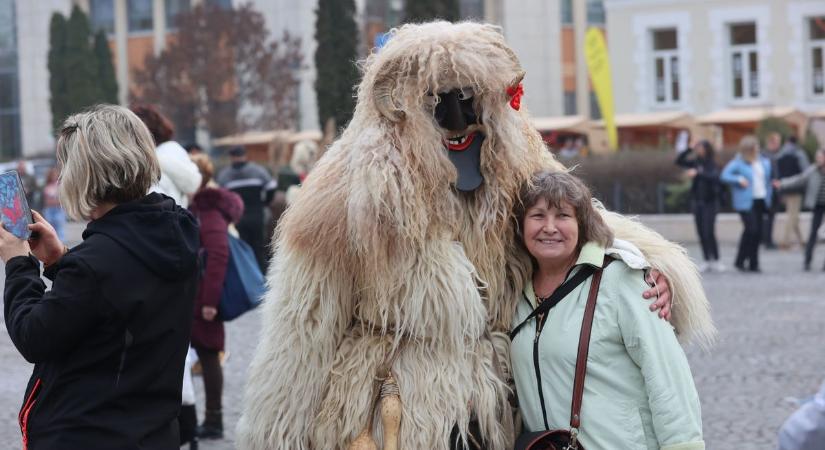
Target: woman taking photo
x=109 y=340
x=749 y=175
x=638 y=391
x=705 y=195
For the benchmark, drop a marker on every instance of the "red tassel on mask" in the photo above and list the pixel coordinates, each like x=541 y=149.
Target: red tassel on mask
x=515 y=93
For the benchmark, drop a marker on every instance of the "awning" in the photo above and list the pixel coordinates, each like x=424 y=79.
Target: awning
x=265 y=137
x=752 y=114
x=667 y=119
x=576 y=124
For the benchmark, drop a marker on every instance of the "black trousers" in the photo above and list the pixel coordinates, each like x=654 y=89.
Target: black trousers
x=767 y=226
x=704 y=215
x=816 y=222
x=251 y=230
x=212 y=378
x=747 y=255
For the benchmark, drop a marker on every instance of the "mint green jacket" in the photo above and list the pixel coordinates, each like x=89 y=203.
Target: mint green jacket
x=638 y=392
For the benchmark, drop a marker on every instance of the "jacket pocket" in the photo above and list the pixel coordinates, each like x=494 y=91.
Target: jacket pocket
x=612 y=423
x=23 y=417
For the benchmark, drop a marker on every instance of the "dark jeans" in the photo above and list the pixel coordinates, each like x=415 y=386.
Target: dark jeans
x=705 y=217
x=212 y=378
x=816 y=222
x=749 y=242
x=251 y=230
x=767 y=228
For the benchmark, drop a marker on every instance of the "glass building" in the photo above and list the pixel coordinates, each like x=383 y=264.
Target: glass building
x=9 y=85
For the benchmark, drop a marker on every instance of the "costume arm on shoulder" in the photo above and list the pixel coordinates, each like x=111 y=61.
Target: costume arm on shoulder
x=44 y=325
x=652 y=344
x=690 y=307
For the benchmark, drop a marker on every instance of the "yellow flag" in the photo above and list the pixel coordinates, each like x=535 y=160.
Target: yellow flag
x=598 y=64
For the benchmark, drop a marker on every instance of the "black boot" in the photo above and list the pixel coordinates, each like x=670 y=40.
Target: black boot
x=212 y=427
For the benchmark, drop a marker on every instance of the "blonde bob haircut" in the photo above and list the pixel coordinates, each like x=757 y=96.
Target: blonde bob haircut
x=561 y=187
x=107 y=156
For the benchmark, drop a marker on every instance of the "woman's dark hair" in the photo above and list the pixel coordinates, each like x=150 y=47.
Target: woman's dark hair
x=710 y=153
x=159 y=126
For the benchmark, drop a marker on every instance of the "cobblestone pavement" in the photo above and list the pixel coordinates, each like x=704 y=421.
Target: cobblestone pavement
x=769 y=353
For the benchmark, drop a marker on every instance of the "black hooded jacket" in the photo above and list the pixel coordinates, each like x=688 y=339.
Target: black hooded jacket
x=110 y=339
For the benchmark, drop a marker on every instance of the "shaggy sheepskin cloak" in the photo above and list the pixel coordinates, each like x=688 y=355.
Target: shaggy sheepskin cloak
x=380 y=261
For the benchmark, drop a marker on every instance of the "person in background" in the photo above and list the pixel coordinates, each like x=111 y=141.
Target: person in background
x=805 y=428
x=749 y=176
x=193 y=149
x=29 y=184
x=812 y=180
x=215 y=208
x=255 y=186
x=109 y=340
x=52 y=211
x=635 y=365
x=773 y=143
x=705 y=196
x=568 y=149
x=791 y=161
x=179 y=175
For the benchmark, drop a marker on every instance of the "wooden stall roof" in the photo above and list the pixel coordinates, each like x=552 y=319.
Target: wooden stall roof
x=668 y=119
x=576 y=124
x=265 y=137
x=751 y=114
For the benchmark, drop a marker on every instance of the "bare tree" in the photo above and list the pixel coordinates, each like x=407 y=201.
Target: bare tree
x=222 y=72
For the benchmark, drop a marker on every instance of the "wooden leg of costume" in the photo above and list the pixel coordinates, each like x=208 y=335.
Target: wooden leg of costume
x=390 y=412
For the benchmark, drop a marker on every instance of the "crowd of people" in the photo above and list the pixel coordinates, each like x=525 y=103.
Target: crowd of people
x=395 y=276
x=760 y=182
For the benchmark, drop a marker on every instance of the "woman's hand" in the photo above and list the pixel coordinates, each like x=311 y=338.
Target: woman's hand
x=11 y=246
x=691 y=173
x=209 y=313
x=47 y=246
x=743 y=182
x=660 y=289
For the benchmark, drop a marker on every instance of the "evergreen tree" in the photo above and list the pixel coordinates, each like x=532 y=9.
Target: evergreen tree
x=105 y=68
x=57 y=71
x=426 y=10
x=337 y=75
x=83 y=88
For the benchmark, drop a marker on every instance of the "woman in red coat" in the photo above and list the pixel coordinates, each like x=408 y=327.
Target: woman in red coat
x=215 y=209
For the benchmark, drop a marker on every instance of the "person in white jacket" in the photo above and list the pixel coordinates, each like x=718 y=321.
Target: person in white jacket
x=179 y=175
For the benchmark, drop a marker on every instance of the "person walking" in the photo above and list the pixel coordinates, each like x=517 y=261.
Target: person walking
x=791 y=161
x=749 y=175
x=52 y=211
x=179 y=176
x=255 y=186
x=215 y=208
x=705 y=195
x=773 y=145
x=634 y=364
x=812 y=179
x=109 y=340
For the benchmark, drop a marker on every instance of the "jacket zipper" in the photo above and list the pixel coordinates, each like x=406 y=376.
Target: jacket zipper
x=24 y=413
x=539 y=326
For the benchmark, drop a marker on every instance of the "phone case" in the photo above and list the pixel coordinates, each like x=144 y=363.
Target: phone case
x=14 y=209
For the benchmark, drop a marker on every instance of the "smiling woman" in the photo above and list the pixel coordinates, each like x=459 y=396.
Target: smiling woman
x=638 y=392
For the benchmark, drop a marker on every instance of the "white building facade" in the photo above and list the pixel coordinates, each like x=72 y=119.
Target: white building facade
x=703 y=56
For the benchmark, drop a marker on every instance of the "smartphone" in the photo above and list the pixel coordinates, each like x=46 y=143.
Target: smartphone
x=14 y=209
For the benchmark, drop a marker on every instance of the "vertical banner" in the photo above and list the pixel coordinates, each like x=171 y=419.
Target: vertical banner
x=598 y=64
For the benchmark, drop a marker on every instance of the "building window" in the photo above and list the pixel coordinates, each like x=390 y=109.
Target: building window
x=595 y=12
x=666 y=66
x=140 y=15
x=472 y=9
x=102 y=15
x=595 y=110
x=569 y=103
x=225 y=4
x=9 y=84
x=816 y=27
x=174 y=8
x=567 y=12
x=744 y=61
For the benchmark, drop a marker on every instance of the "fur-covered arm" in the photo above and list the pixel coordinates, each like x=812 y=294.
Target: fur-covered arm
x=691 y=310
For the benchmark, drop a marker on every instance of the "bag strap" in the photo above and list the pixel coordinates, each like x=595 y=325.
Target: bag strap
x=584 y=345
x=556 y=297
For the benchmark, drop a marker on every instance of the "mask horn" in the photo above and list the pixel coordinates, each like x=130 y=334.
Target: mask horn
x=382 y=93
